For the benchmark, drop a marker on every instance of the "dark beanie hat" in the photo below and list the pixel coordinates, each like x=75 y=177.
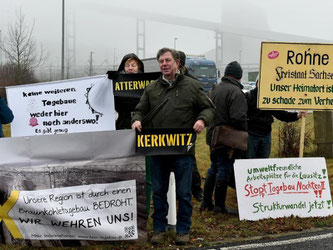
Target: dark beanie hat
x=182 y=58
x=234 y=69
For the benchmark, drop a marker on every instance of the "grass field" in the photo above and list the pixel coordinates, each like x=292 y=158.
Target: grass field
x=208 y=227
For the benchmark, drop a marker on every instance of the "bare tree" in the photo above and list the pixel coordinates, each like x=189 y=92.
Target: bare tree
x=68 y=64
x=89 y=69
x=20 y=49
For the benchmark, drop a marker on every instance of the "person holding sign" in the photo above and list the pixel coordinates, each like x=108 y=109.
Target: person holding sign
x=260 y=125
x=185 y=106
x=130 y=64
x=231 y=108
x=6 y=115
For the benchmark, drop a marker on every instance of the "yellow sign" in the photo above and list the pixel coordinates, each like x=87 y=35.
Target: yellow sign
x=164 y=140
x=132 y=85
x=296 y=76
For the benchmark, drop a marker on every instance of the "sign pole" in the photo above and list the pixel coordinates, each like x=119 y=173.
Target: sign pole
x=172 y=213
x=301 y=143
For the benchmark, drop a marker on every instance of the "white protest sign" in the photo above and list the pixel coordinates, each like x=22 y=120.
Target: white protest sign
x=273 y=188
x=91 y=212
x=76 y=105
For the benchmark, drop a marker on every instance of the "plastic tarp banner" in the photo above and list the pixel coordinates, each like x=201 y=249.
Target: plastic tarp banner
x=74 y=187
x=61 y=107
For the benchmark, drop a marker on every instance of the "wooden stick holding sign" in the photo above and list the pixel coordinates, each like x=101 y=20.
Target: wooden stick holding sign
x=301 y=143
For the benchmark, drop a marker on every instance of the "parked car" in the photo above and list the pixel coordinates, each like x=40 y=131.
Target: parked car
x=252 y=84
x=247 y=87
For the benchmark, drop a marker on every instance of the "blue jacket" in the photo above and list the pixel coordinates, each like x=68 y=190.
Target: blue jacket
x=6 y=115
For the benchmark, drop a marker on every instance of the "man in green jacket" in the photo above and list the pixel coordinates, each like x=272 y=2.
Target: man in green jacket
x=187 y=106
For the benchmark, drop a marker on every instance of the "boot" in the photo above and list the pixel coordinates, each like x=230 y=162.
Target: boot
x=207 y=203
x=231 y=183
x=220 y=197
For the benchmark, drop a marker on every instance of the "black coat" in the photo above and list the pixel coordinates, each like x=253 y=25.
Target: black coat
x=124 y=105
x=231 y=106
x=121 y=68
x=230 y=103
x=260 y=121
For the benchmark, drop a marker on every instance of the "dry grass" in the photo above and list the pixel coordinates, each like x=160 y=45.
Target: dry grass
x=6 y=130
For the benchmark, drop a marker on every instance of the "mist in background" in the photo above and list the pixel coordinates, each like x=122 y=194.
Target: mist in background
x=105 y=30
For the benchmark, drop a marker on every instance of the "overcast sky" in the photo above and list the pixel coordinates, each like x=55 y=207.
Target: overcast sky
x=100 y=30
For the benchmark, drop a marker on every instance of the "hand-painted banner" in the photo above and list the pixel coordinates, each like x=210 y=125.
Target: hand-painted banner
x=165 y=141
x=101 y=212
x=60 y=107
x=60 y=189
x=273 y=188
x=296 y=76
x=131 y=85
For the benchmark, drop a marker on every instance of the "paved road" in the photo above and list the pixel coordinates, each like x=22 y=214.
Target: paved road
x=319 y=239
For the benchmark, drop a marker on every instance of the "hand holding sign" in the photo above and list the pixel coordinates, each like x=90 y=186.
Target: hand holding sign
x=199 y=125
x=302 y=113
x=137 y=125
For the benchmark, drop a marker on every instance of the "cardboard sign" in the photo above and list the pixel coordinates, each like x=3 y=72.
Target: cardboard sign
x=296 y=76
x=76 y=105
x=165 y=141
x=273 y=188
x=131 y=85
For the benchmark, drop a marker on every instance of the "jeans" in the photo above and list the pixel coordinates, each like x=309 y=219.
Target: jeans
x=222 y=167
x=161 y=166
x=196 y=179
x=259 y=146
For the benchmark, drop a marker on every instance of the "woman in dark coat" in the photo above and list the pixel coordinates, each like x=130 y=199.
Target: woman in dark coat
x=130 y=64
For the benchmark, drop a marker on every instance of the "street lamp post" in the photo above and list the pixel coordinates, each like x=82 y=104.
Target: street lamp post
x=0 y=49
x=63 y=42
x=91 y=64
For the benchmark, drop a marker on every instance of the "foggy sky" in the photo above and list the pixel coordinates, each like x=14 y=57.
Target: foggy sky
x=101 y=31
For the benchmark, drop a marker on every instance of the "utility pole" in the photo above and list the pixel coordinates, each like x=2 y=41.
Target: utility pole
x=63 y=42
x=114 y=58
x=140 y=38
x=175 y=43
x=91 y=64
x=0 y=49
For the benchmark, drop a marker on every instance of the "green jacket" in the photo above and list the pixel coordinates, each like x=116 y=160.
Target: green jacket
x=187 y=103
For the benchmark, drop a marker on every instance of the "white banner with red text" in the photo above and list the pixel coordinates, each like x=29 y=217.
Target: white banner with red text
x=273 y=188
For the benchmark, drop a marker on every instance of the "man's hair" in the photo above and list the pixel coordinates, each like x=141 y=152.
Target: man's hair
x=174 y=53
